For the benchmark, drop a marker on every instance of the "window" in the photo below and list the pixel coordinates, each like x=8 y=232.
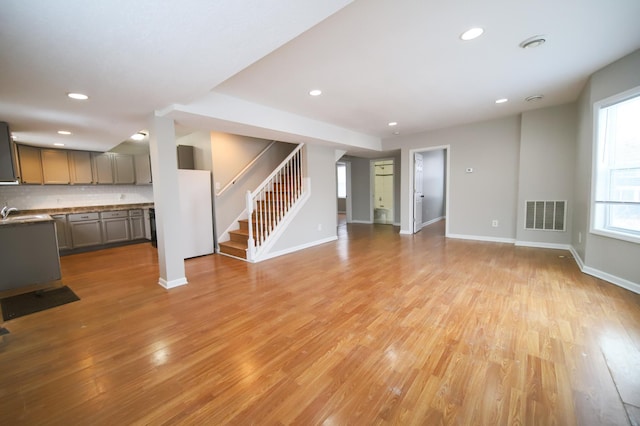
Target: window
x=342 y=180
x=616 y=201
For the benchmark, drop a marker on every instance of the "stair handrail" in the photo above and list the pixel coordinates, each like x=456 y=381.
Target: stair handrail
x=267 y=181
x=244 y=170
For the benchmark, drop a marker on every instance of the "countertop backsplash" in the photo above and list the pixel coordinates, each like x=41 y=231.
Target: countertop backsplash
x=34 y=197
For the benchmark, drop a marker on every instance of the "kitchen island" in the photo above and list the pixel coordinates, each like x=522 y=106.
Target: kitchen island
x=28 y=251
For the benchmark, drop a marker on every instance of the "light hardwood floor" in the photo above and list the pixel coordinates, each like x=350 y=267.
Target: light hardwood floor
x=376 y=328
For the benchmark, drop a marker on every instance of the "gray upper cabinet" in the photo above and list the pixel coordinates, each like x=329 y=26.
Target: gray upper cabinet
x=55 y=166
x=30 y=164
x=142 y=164
x=80 y=169
x=123 y=169
x=103 y=171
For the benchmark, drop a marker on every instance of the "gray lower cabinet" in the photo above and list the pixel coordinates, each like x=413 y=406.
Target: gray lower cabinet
x=115 y=226
x=62 y=231
x=85 y=229
x=136 y=224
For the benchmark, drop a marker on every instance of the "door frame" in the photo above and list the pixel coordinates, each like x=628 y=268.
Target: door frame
x=447 y=150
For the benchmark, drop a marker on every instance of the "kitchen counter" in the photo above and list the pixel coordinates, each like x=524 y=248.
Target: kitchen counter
x=85 y=209
x=22 y=218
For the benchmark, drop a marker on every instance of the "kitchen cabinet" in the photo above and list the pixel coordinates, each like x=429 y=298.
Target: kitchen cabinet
x=55 y=166
x=102 y=168
x=80 y=169
x=85 y=229
x=142 y=165
x=8 y=160
x=136 y=224
x=30 y=164
x=115 y=226
x=123 y=169
x=62 y=231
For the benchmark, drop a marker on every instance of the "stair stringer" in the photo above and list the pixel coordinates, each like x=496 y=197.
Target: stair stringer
x=262 y=252
x=225 y=236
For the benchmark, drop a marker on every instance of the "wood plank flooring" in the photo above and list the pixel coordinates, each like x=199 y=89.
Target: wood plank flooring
x=375 y=328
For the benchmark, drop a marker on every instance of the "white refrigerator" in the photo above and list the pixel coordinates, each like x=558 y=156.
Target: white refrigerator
x=196 y=212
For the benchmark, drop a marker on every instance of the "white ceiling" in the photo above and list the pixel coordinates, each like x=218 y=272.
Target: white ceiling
x=375 y=60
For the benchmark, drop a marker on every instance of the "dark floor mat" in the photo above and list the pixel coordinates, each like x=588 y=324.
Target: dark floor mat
x=35 y=301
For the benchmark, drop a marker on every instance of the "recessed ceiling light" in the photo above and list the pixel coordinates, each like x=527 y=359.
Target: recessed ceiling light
x=472 y=33
x=393 y=123
x=78 y=96
x=138 y=136
x=396 y=133
x=315 y=92
x=533 y=98
x=64 y=132
x=58 y=144
x=501 y=100
x=534 y=41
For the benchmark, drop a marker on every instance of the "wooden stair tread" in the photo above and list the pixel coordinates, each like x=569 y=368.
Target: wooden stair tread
x=233 y=244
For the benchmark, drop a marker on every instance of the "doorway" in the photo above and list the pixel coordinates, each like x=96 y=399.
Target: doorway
x=429 y=187
x=383 y=171
x=343 y=191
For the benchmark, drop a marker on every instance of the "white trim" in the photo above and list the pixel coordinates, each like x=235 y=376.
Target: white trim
x=173 y=283
x=481 y=238
x=536 y=244
x=396 y=223
x=405 y=232
x=620 y=282
x=577 y=258
x=366 y=222
x=298 y=248
x=432 y=221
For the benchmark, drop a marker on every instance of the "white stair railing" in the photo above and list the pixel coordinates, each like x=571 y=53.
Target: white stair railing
x=272 y=200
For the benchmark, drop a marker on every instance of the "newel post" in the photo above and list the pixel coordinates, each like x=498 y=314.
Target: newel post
x=251 y=246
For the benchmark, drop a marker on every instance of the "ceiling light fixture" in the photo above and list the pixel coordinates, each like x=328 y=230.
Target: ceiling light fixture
x=472 y=33
x=533 y=98
x=393 y=123
x=58 y=144
x=64 y=132
x=315 y=92
x=78 y=96
x=138 y=136
x=534 y=41
x=501 y=100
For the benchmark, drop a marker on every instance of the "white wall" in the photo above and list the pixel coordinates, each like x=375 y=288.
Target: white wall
x=547 y=168
x=316 y=222
x=433 y=185
x=609 y=258
x=491 y=148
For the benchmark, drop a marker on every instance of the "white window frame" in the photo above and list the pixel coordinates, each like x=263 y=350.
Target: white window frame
x=594 y=227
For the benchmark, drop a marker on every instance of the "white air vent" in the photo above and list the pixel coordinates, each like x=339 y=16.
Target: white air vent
x=545 y=215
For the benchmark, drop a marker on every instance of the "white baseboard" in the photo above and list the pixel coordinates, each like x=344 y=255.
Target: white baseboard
x=432 y=221
x=366 y=222
x=543 y=245
x=297 y=248
x=173 y=283
x=480 y=238
x=405 y=232
x=620 y=282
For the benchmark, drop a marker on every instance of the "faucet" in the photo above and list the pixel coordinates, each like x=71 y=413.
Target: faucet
x=6 y=210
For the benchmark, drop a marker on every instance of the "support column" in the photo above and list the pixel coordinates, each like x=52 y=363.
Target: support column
x=166 y=197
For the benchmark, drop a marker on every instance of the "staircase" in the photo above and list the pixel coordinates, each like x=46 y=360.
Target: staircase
x=266 y=208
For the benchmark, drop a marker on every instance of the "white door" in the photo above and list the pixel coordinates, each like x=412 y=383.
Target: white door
x=417 y=191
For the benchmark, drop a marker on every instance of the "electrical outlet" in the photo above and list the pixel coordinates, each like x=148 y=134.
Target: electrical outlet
x=494 y=223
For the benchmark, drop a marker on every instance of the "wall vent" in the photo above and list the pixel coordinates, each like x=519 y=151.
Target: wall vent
x=545 y=215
